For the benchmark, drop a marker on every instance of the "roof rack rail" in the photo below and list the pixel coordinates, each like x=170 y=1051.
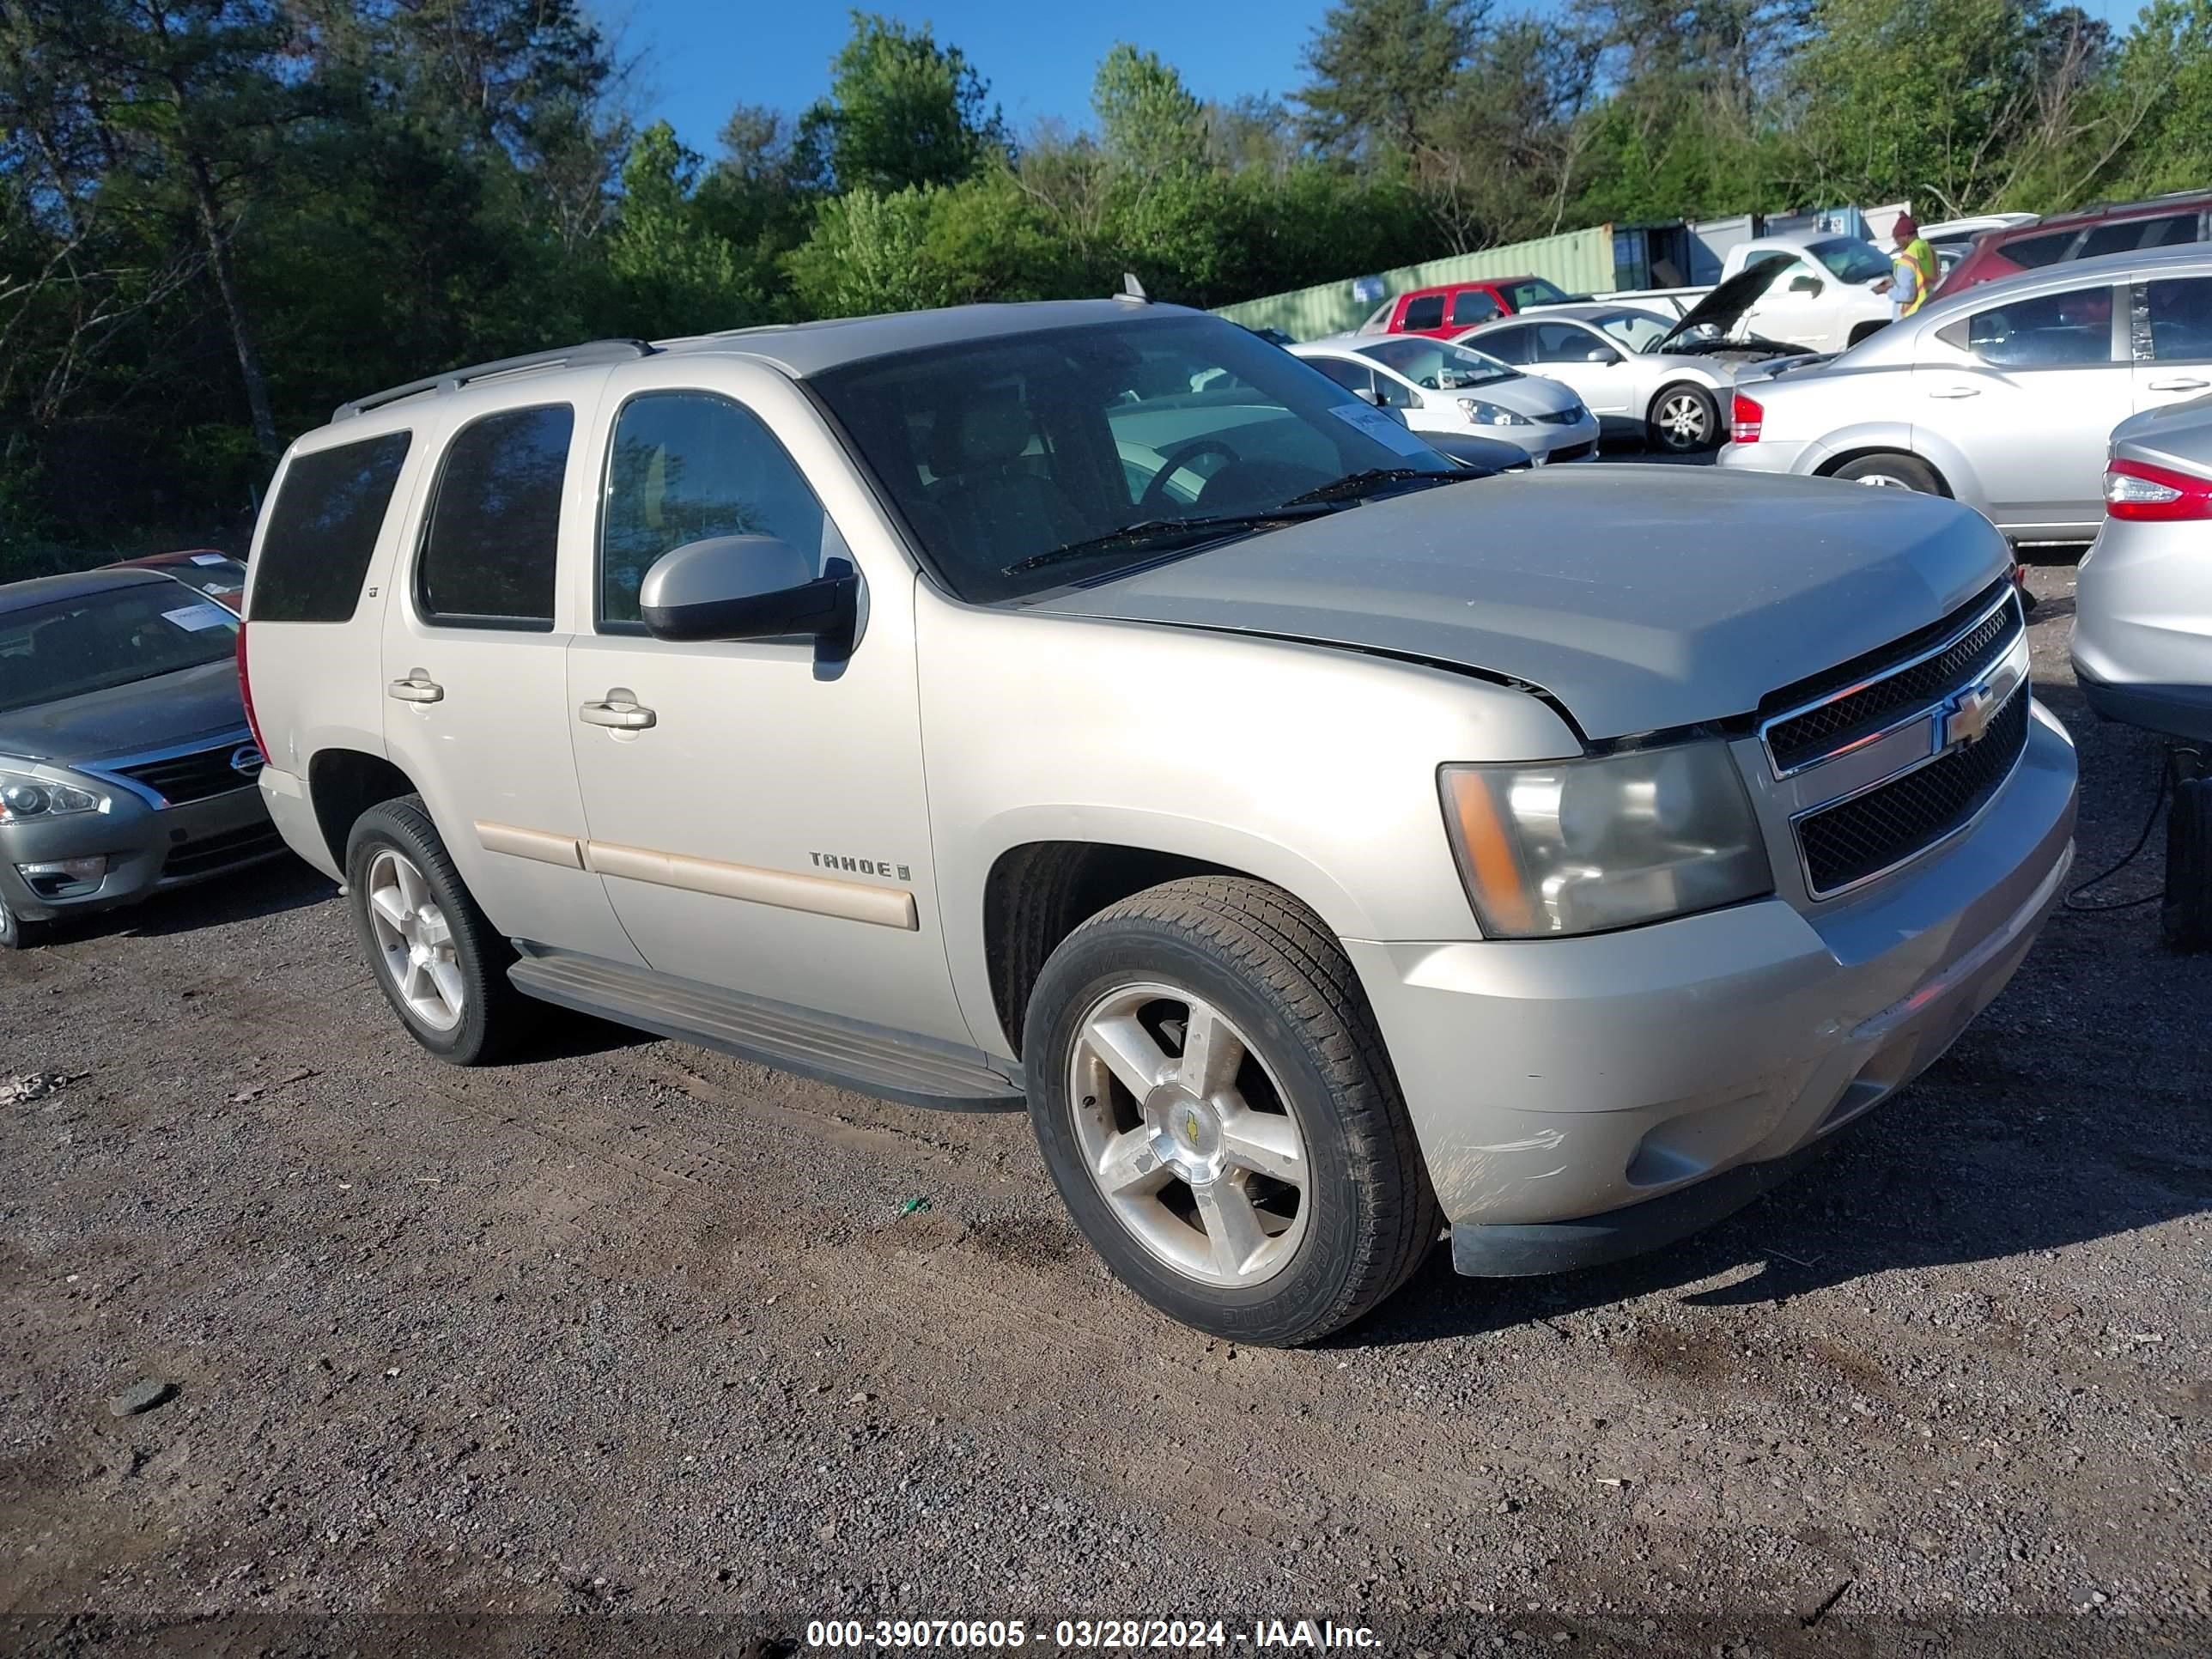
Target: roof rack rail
x=590 y=351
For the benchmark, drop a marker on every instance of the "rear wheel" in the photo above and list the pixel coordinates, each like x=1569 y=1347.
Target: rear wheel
x=437 y=958
x=1684 y=419
x=1218 y=1110
x=1892 y=472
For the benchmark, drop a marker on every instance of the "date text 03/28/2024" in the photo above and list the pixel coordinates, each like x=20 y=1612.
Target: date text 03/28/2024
x=1095 y=1635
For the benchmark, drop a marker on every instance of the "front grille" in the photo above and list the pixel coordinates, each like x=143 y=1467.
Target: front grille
x=1563 y=416
x=1571 y=453
x=211 y=853
x=197 y=777
x=1821 y=730
x=1870 y=833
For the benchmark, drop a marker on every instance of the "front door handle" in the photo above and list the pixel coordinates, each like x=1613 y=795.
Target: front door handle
x=2183 y=385
x=417 y=687
x=620 y=716
x=1958 y=391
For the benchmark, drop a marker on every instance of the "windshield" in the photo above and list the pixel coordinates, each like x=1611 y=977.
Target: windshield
x=1535 y=291
x=999 y=450
x=1638 y=331
x=1849 y=260
x=1438 y=365
x=108 y=638
x=220 y=577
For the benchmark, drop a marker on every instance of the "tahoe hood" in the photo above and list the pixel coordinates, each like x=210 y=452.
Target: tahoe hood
x=1639 y=598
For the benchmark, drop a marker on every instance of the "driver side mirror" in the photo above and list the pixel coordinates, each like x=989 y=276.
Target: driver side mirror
x=1377 y=396
x=750 y=587
x=1804 y=284
x=1603 y=354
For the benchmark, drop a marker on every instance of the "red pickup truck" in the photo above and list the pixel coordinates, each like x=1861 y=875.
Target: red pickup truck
x=1451 y=306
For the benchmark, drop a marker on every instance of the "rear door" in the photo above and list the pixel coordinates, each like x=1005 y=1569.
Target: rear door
x=2170 y=329
x=475 y=673
x=2027 y=390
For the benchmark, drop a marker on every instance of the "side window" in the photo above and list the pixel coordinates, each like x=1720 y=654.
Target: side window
x=686 y=466
x=2179 y=311
x=2133 y=233
x=323 y=526
x=1427 y=312
x=492 y=535
x=2033 y=253
x=1508 y=346
x=1353 y=376
x=1562 y=342
x=2052 y=331
x=1471 y=305
x=1396 y=395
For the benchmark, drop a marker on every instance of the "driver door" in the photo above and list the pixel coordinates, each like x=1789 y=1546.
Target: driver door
x=1562 y=352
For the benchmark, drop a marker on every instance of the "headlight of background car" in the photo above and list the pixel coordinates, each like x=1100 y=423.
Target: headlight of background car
x=1489 y=414
x=22 y=796
x=1577 y=847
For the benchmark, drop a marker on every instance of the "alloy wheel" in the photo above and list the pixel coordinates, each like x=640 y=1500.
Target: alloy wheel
x=1189 y=1138
x=1683 y=422
x=1881 y=481
x=414 y=941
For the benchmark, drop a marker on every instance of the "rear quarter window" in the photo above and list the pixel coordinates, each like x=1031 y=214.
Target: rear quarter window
x=2033 y=253
x=323 y=527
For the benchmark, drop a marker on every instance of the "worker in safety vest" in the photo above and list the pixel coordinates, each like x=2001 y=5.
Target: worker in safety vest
x=1911 y=292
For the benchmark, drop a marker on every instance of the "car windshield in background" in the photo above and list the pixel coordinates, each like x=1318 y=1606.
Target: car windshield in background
x=1533 y=292
x=999 y=451
x=108 y=638
x=1636 y=330
x=1849 y=260
x=1437 y=365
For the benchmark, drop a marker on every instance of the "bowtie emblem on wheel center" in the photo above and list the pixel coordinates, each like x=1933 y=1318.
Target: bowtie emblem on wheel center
x=1186 y=1132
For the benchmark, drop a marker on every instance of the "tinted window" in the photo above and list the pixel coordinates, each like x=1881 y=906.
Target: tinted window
x=1353 y=376
x=2053 y=330
x=323 y=526
x=492 y=538
x=1471 y=305
x=998 y=450
x=686 y=466
x=2131 y=235
x=1508 y=346
x=1563 y=343
x=2180 y=309
x=2033 y=253
x=1427 y=312
x=1533 y=292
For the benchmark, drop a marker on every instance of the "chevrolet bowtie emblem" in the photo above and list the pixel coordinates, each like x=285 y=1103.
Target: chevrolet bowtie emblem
x=1967 y=717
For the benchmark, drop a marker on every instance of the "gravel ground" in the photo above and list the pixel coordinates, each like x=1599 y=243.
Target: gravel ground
x=633 y=1347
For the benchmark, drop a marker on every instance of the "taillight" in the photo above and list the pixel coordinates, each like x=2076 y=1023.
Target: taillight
x=245 y=696
x=2158 y=494
x=1746 y=417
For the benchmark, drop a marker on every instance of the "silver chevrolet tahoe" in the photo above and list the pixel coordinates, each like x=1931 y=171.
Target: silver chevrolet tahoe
x=1089 y=707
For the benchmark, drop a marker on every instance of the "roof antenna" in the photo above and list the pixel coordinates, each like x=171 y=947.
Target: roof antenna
x=1133 y=291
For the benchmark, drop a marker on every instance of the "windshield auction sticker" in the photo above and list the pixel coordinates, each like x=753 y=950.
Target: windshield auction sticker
x=1380 y=427
x=198 y=618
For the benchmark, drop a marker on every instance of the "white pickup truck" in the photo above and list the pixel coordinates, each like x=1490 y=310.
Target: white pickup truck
x=1822 y=295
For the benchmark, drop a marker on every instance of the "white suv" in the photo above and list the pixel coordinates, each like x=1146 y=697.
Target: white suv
x=1092 y=708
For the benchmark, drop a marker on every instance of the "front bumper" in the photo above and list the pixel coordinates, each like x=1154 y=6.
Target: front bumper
x=1576 y=1081
x=149 y=849
x=1547 y=444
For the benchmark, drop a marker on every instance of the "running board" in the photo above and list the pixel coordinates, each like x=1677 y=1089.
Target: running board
x=871 y=1060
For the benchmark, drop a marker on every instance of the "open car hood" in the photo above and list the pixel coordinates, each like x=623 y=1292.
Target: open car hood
x=1724 y=307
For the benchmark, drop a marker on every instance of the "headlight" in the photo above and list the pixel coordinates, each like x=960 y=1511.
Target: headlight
x=1489 y=414
x=22 y=796
x=1577 y=847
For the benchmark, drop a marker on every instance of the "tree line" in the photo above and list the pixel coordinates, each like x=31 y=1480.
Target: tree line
x=220 y=218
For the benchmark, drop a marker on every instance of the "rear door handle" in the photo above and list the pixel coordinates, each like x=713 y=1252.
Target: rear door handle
x=1958 y=391
x=2180 y=385
x=619 y=716
x=417 y=687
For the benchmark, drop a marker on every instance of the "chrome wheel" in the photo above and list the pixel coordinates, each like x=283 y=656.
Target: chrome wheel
x=414 y=942
x=1684 y=421
x=1188 y=1136
x=1881 y=481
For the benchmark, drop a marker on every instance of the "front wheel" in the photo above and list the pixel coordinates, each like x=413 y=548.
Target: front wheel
x=1684 y=420
x=1892 y=472
x=436 y=956
x=1218 y=1110
x=16 y=933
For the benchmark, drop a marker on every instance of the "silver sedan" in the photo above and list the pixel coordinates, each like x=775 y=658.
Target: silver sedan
x=2000 y=396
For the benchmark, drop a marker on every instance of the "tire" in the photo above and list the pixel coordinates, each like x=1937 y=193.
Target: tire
x=1892 y=472
x=2186 y=916
x=16 y=933
x=467 y=958
x=1683 y=419
x=1227 y=954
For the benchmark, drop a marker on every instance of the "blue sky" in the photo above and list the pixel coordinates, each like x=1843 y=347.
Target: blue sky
x=703 y=57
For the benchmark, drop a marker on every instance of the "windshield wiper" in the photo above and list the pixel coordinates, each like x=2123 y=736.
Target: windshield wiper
x=1162 y=533
x=1357 y=486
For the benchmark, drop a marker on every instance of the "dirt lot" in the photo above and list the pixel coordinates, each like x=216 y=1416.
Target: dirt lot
x=633 y=1332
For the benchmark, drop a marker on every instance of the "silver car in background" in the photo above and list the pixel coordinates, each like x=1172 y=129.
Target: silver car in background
x=1436 y=387
x=2000 y=396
